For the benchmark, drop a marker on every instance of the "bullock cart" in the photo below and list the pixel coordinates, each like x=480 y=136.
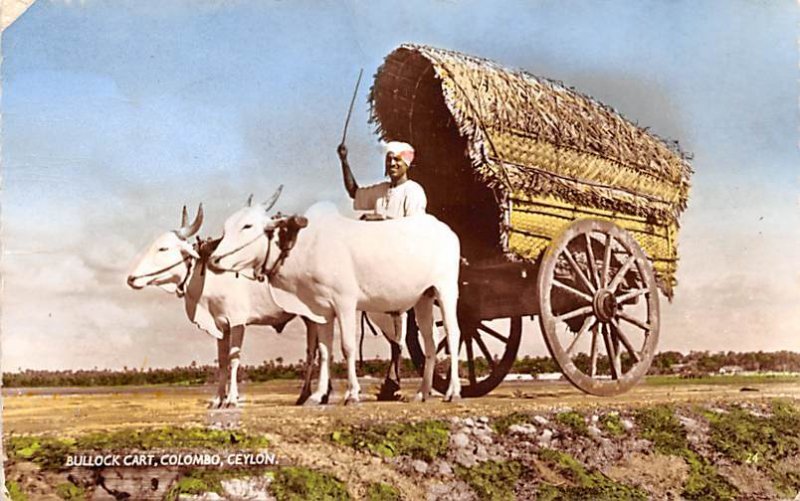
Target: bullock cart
x=565 y=210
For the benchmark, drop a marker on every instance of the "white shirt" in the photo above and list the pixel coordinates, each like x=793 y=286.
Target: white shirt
x=407 y=199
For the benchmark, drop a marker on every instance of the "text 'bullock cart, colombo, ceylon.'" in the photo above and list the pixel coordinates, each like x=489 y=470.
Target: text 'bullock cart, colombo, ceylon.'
x=565 y=210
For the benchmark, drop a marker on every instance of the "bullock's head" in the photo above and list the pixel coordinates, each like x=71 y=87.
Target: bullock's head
x=245 y=237
x=166 y=262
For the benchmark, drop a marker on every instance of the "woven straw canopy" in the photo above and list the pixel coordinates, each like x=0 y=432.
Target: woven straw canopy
x=528 y=133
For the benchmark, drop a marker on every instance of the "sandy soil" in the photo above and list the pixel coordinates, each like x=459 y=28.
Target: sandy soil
x=269 y=407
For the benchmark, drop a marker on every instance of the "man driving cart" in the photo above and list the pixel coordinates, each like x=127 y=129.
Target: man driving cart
x=396 y=198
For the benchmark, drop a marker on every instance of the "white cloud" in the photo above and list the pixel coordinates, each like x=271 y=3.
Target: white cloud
x=48 y=273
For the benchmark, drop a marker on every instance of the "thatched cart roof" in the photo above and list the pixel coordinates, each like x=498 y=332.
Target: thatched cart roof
x=525 y=134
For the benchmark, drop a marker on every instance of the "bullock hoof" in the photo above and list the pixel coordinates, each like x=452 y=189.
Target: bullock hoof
x=389 y=392
x=351 y=398
x=231 y=403
x=419 y=397
x=313 y=402
x=216 y=403
x=304 y=396
x=453 y=398
x=327 y=396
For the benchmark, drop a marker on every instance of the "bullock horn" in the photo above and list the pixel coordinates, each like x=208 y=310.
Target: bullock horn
x=273 y=199
x=250 y=200
x=186 y=232
x=184 y=217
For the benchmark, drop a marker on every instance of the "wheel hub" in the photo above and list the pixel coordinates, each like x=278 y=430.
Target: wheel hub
x=604 y=305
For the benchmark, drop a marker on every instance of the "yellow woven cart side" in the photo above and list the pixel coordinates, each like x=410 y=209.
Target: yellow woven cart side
x=536 y=220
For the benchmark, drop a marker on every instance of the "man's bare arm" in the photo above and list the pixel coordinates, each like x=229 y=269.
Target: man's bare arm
x=350 y=183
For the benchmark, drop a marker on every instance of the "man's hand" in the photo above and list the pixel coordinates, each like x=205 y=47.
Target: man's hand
x=342 y=151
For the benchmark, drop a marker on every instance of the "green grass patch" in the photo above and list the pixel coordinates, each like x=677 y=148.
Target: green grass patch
x=50 y=452
x=761 y=441
x=584 y=484
x=70 y=492
x=574 y=421
x=492 y=480
x=612 y=424
x=294 y=483
x=660 y=425
x=197 y=482
x=502 y=424
x=704 y=482
x=383 y=492
x=15 y=492
x=170 y=437
x=424 y=440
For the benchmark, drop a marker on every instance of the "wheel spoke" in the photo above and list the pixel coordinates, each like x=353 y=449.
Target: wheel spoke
x=587 y=324
x=593 y=369
x=612 y=357
x=621 y=273
x=592 y=264
x=488 y=330
x=471 y=363
x=578 y=270
x=574 y=313
x=631 y=294
x=624 y=339
x=633 y=320
x=607 y=258
x=574 y=291
x=484 y=350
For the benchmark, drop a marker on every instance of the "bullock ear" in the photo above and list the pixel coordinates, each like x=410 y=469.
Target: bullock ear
x=298 y=222
x=188 y=249
x=274 y=198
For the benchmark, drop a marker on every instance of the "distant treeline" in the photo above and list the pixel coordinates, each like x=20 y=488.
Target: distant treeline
x=670 y=362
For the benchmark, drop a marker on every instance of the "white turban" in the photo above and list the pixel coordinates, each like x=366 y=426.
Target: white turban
x=402 y=150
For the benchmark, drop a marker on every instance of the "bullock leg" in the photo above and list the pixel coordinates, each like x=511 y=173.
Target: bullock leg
x=223 y=346
x=347 y=325
x=311 y=355
x=448 y=298
x=401 y=326
x=424 y=313
x=237 y=338
x=328 y=363
x=325 y=343
x=387 y=324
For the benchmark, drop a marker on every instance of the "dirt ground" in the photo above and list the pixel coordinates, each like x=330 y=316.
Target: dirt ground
x=269 y=407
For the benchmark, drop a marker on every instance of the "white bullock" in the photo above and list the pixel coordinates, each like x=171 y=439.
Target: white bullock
x=221 y=304
x=325 y=266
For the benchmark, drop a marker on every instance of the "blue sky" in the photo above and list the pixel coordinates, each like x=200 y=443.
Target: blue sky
x=117 y=113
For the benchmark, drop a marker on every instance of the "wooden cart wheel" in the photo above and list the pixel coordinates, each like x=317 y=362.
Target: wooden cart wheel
x=489 y=347
x=598 y=302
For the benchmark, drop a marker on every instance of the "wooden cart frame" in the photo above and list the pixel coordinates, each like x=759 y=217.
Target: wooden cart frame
x=565 y=210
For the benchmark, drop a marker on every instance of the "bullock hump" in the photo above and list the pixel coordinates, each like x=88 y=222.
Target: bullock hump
x=322 y=208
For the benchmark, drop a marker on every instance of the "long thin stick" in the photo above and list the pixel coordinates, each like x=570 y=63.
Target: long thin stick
x=352 y=102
